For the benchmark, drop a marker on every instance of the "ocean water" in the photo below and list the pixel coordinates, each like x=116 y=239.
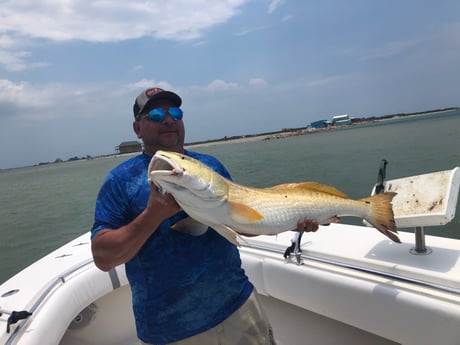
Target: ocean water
x=44 y=207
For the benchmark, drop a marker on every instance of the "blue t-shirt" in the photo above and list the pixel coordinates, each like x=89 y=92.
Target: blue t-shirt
x=181 y=284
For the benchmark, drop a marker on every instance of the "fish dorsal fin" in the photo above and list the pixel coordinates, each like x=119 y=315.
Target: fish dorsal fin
x=244 y=213
x=312 y=186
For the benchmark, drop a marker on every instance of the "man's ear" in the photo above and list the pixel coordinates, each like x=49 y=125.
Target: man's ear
x=137 y=129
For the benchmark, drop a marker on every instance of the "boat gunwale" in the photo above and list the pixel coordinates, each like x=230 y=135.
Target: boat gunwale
x=359 y=268
x=60 y=279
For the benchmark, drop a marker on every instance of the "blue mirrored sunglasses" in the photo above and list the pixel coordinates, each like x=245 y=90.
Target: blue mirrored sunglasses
x=158 y=114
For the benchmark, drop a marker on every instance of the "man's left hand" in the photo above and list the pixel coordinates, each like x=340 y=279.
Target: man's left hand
x=308 y=225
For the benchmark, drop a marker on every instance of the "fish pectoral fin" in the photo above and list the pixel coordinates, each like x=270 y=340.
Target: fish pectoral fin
x=243 y=213
x=228 y=233
x=312 y=186
x=190 y=226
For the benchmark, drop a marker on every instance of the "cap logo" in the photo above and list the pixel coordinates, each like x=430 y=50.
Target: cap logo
x=153 y=91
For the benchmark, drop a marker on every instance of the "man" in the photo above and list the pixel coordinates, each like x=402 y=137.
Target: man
x=186 y=289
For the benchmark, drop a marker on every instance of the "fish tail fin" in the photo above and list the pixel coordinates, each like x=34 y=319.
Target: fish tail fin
x=381 y=215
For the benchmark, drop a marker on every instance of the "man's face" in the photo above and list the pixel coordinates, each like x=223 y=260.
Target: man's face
x=167 y=134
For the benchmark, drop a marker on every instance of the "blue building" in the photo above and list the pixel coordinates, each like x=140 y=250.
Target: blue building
x=319 y=124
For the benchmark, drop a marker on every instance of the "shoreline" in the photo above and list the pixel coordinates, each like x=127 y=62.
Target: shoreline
x=356 y=123
x=303 y=131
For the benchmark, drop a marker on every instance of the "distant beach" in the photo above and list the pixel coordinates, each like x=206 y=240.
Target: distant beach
x=356 y=122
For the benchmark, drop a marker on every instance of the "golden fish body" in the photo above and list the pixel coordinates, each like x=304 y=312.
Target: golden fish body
x=233 y=209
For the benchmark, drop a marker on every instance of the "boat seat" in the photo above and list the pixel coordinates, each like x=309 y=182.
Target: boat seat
x=425 y=200
x=422 y=200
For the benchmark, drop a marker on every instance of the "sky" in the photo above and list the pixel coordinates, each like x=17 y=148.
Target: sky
x=71 y=69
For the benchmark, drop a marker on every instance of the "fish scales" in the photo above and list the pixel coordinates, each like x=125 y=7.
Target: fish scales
x=232 y=209
x=276 y=215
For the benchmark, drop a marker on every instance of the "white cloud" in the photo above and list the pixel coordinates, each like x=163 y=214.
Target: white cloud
x=395 y=48
x=13 y=54
x=15 y=61
x=274 y=4
x=257 y=82
x=287 y=18
x=137 y=68
x=115 y=19
x=25 y=95
x=9 y=90
x=47 y=102
x=103 y=21
x=146 y=83
x=199 y=43
x=6 y=42
x=246 y=31
x=219 y=85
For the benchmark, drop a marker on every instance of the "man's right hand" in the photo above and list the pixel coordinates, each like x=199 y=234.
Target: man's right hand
x=163 y=205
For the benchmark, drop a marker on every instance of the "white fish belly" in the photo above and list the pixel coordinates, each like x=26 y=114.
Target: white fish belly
x=281 y=217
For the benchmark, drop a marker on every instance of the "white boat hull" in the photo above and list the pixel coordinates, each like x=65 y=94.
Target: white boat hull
x=354 y=287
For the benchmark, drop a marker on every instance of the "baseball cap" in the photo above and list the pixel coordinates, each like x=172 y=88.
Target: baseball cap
x=153 y=94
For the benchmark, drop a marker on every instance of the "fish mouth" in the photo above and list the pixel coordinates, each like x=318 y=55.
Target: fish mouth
x=161 y=164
